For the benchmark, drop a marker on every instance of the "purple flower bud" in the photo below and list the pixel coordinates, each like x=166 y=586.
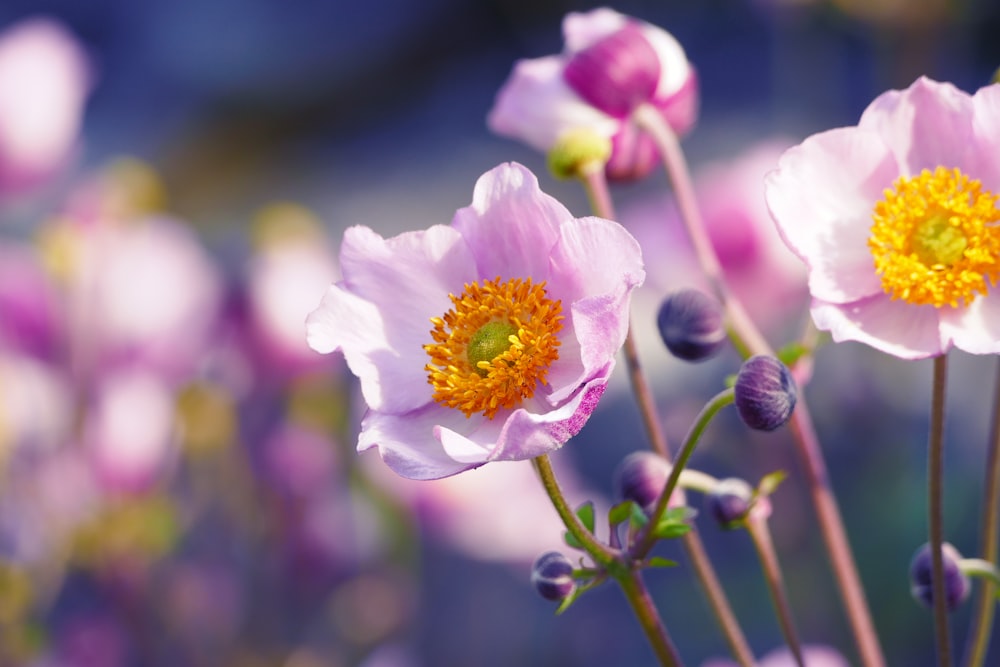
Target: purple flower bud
x=552 y=575
x=765 y=393
x=729 y=502
x=640 y=477
x=690 y=324
x=616 y=74
x=956 y=583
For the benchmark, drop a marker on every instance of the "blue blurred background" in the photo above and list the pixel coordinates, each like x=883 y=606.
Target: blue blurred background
x=260 y=538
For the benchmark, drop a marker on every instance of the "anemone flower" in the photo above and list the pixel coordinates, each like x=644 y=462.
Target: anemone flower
x=897 y=222
x=611 y=65
x=489 y=339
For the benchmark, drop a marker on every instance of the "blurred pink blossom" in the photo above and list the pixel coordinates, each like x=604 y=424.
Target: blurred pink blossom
x=44 y=80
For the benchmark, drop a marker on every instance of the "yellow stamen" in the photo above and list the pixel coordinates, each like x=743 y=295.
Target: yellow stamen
x=936 y=239
x=494 y=346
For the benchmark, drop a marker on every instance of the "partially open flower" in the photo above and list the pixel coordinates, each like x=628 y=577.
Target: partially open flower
x=612 y=64
x=898 y=223
x=956 y=583
x=765 y=393
x=490 y=339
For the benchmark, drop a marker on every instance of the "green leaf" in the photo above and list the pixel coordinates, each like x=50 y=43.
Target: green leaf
x=620 y=512
x=638 y=517
x=770 y=482
x=674 y=523
x=658 y=561
x=568 y=600
x=586 y=514
x=571 y=541
x=792 y=352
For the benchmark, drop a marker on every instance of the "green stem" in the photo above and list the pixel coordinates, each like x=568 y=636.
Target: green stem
x=935 y=515
x=980 y=629
x=649 y=618
x=761 y=536
x=648 y=537
x=601 y=554
x=596 y=186
x=748 y=338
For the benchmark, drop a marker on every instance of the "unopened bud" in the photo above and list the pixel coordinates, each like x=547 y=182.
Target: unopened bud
x=640 y=477
x=765 y=393
x=578 y=150
x=690 y=324
x=729 y=502
x=552 y=575
x=956 y=583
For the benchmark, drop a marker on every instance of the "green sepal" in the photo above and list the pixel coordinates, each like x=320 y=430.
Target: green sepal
x=770 y=482
x=568 y=600
x=659 y=561
x=585 y=513
x=620 y=513
x=674 y=523
x=791 y=353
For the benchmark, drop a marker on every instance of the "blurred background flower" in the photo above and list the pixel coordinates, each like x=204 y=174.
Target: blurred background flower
x=178 y=484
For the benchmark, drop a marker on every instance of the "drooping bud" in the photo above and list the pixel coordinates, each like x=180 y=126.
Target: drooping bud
x=729 y=502
x=956 y=582
x=765 y=393
x=617 y=73
x=552 y=576
x=690 y=324
x=640 y=477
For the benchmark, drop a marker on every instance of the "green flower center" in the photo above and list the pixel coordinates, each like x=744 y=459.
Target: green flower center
x=489 y=342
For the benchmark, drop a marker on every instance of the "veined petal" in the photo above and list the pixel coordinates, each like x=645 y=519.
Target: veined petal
x=379 y=315
x=410 y=443
x=986 y=137
x=511 y=225
x=822 y=197
x=537 y=106
x=595 y=267
x=895 y=327
x=925 y=126
x=975 y=328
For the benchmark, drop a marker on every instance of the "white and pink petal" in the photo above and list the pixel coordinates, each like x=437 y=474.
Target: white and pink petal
x=894 y=327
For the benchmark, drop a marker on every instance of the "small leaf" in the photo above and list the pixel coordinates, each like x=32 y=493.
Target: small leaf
x=770 y=482
x=586 y=514
x=568 y=600
x=620 y=512
x=638 y=518
x=571 y=541
x=659 y=561
x=792 y=352
x=674 y=523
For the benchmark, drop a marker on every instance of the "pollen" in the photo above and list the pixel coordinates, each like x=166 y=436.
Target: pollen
x=494 y=346
x=936 y=239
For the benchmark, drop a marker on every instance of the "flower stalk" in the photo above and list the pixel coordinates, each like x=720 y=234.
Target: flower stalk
x=748 y=339
x=935 y=514
x=985 y=606
x=760 y=534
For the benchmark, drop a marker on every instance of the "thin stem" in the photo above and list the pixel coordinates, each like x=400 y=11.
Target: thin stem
x=761 y=536
x=596 y=186
x=747 y=337
x=648 y=537
x=599 y=552
x=935 y=514
x=649 y=619
x=985 y=606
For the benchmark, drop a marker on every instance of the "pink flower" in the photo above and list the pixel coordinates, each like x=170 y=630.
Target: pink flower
x=44 y=80
x=611 y=65
x=897 y=222
x=490 y=339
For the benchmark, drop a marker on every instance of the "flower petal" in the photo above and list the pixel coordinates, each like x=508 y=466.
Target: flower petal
x=895 y=327
x=986 y=136
x=976 y=328
x=822 y=196
x=511 y=225
x=410 y=443
x=537 y=106
x=925 y=126
x=581 y=29
x=379 y=315
x=595 y=266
